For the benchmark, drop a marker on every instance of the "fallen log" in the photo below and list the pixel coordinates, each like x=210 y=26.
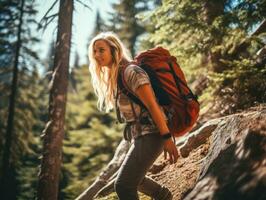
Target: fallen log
x=108 y=173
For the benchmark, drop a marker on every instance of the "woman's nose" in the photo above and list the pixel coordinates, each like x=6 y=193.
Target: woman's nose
x=97 y=55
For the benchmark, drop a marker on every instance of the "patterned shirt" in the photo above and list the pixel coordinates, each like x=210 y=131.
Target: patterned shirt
x=135 y=77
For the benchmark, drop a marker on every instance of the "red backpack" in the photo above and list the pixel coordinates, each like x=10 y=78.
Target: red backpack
x=170 y=88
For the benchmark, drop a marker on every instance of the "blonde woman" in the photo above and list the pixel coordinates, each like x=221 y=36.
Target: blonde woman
x=107 y=55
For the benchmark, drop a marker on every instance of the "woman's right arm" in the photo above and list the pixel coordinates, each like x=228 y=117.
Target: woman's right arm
x=146 y=95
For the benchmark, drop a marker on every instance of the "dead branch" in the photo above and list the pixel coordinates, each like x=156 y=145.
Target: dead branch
x=108 y=173
x=261 y=28
x=85 y=5
x=45 y=18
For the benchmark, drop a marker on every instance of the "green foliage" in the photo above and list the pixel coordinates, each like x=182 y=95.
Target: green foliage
x=241 y=87
x=125 y=23
x=24 y=144
x=27 y=128
x=90 y=140
x=91 y=137
x=215 y=39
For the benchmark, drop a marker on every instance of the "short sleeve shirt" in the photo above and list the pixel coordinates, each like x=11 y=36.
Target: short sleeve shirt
x=135 y=77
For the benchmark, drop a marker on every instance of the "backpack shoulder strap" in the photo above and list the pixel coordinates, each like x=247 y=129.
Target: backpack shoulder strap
x=122 y=86
x=178 y=81
x=121 y=83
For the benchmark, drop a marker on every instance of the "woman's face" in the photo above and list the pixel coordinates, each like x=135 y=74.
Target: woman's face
x=102 y=53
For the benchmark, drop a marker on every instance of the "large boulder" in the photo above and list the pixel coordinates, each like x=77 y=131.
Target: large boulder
x=235 y=166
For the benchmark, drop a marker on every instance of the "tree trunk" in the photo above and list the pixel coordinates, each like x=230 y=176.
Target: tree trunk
x=6 y=165
x=54 y=130
x=211 y=10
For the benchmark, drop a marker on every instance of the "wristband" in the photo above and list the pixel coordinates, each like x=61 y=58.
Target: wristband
x=166 y=136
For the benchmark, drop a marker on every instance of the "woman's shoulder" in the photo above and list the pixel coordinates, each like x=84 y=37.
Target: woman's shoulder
x=131 y=66
x=135 y=76
x=134 y=70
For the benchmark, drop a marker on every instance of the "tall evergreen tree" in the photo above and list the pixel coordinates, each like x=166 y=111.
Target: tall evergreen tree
x=29 y=122
x=11 y=108
x=16 y=56
x=99 y=24
x=50 y=57
x=54 y=131
x=124 y=21
x=72 y=80
x=8 y=14
x=17 y=60
x=76 y=60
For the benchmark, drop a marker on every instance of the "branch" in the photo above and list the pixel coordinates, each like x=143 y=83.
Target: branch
x=45 y=18
x=49 y=19
x=106 y=190
x=261 y=57
x=246 y=42
x=260 y=29
x=85 y=5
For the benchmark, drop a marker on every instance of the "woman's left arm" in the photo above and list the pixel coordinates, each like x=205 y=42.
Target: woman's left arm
x=146 y=95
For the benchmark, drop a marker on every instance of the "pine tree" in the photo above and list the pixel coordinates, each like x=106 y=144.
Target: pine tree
x=8 y=14
x=99 y=27
x=214 y=38
x=11 y=108
x=124 y=22
x=29 y=123
x=7 y=37
x=76 y=60
x=72 y=80
x=17 y=62
x=54 y=131
x=50 y=57
x=18 y=12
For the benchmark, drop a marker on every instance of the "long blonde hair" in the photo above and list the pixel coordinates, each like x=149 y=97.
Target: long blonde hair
x=104 y=80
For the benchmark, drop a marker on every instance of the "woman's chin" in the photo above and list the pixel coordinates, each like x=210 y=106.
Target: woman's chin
x=107 y=66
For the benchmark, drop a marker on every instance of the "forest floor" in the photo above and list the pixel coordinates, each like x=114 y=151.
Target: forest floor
x=180 y=177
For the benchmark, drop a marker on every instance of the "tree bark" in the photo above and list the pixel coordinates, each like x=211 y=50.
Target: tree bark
x=54 y=130
x=211 y=10
x=6 y=166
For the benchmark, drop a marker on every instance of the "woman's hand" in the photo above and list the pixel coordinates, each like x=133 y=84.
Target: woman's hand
x=171 y=150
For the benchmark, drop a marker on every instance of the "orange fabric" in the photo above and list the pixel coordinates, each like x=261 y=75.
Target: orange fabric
x=185 y=112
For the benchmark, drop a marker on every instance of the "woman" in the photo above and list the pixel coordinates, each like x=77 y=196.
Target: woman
x=149 y=137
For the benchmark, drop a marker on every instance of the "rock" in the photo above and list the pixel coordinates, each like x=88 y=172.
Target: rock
x=235 y=166
x=198 y=137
